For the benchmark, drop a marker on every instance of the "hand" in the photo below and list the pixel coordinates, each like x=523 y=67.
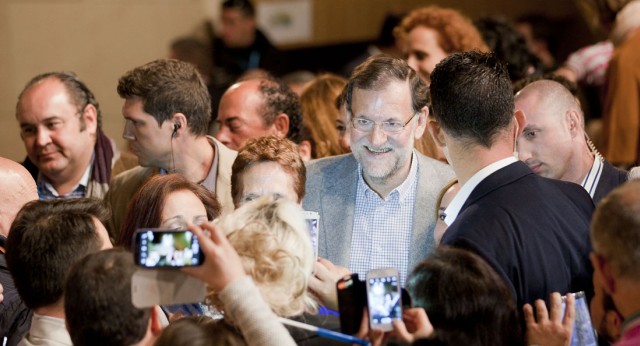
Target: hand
x=550 y=328
x=415 y=325
x=1 y=291
x=323 y=282
x=375 y=337
x=222 y=264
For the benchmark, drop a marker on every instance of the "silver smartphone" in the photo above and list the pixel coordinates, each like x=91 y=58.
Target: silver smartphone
x=384 y=300
x=313 y=224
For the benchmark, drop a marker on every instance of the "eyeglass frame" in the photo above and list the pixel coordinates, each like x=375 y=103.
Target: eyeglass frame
x=381 y=124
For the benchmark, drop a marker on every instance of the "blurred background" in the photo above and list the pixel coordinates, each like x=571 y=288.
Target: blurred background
x=102 y=39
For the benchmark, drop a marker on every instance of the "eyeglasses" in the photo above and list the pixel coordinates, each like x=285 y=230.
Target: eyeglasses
x=366 y=125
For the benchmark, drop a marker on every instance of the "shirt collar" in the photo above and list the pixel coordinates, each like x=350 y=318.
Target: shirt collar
x=403 y=189
x=590 y=182
x=451 y=213
x=84 y=181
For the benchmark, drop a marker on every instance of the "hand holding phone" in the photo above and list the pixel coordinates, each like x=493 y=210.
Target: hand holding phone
x=163 y=248
x=383 y=298
x=222 y=264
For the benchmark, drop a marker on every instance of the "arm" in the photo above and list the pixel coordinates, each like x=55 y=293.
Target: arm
x=222 y=270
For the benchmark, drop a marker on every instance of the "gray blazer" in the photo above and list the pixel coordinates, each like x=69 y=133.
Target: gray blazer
x=331 y=191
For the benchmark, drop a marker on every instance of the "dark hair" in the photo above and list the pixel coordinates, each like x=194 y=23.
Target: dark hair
x=97 y=301
x=78 y=92
x=245 y=6
x=169 y=86
x=45 y=240
x=200 y=331
x=466 y=301
x=380 y=70
x=278 y=98
x=145 y=208
x=269 y=149
x=471 y=96
x=509 y=46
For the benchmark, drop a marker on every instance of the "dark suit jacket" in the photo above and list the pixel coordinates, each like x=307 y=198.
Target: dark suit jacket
x=611 y=177
x=533 y=231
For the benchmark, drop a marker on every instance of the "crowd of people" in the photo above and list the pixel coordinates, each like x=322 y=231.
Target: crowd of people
x=464 y=164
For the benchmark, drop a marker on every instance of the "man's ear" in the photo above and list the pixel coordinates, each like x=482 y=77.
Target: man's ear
x=521 y=122
x=90 y=117
x=304 y=148
x=180 y=120
x=280 y=125
x=422 y=123
x=436 y=131
x=602 y=270
x=574 y=123
x=613 y=323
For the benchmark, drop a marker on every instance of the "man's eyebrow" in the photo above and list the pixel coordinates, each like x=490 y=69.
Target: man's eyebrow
x=53 y=117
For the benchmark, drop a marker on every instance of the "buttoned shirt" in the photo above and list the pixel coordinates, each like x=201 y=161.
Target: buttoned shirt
x=46 y=191
x=382 y=227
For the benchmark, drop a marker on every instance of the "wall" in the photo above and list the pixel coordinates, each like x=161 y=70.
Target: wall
x=102 y=39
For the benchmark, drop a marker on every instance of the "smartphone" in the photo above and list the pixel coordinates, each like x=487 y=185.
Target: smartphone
x=384 y=300
x=162 y=248
x=313 y=224
x=352 y=298
x=583 y=332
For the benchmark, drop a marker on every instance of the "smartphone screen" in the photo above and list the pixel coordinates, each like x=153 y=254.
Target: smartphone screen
x=156 y=248
x=313 y=219
x=383 y=296
x=583 y=332
x=352 y=298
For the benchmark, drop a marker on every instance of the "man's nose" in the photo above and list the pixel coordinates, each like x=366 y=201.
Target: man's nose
x=128 y=132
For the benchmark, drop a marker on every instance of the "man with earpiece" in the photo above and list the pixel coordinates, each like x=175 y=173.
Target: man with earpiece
x=167 y=111
x=554 y=144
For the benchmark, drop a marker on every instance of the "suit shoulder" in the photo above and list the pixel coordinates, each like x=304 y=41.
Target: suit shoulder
x=132 y=177
x=435 y=168
x=327 y=165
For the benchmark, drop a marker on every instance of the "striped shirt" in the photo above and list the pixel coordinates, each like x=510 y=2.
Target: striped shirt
x=590 y=182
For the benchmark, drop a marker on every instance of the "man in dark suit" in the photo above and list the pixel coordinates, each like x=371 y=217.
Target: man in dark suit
x=533 y=231
x=554 y=144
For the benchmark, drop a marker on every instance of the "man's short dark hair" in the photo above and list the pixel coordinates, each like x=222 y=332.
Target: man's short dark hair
x=45 y=240
x=79 y=92
x=166 y=87
x=380 y=70
x=97 y=302
x=467 y=301
x=245 y=7
x=278 y=98
x=472 y=97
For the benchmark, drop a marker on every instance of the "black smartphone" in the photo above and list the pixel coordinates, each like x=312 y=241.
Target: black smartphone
x=352 y=298
x=162 y=248
x=383 y=298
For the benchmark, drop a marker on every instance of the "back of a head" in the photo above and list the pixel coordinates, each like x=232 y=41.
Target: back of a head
x=145 y=207
x=272 y=239
x=320 y=113
x=472 y=97
x=46 y=239
x=166 y=87
x=200 y=331
x=466 y=301
x=456 y=33
x=378 y=71
x=278 y=99
x=17 y=187
x=269 y=149
x=615 y=230
x=97 y=301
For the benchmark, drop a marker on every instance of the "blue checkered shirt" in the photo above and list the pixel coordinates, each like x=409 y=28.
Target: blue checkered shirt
x=46 y=191
x=382 y=228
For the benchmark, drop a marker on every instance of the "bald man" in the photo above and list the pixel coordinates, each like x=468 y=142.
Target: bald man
x=554 y=144
x=258 y=107
x=17 y=187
